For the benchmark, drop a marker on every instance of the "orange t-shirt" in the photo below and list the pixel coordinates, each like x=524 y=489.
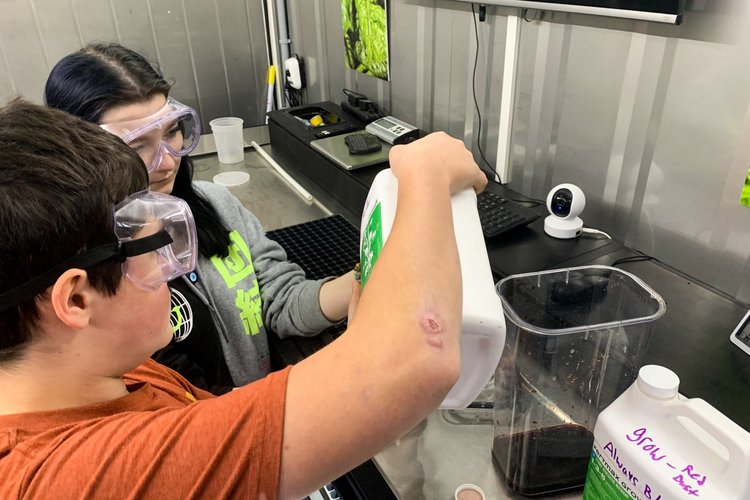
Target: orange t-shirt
x=166 y=439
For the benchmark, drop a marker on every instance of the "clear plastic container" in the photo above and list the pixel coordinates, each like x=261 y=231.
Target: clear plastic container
x=575 y=340
x=227 y=134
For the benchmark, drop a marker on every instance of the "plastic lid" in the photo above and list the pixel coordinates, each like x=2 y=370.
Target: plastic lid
x=468 y=491
x=230 y=179
x=658 y=382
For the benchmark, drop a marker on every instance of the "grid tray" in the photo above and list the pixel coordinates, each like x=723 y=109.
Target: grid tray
x=322 y=248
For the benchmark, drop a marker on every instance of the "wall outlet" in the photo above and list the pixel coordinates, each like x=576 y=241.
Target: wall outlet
x=294 y=70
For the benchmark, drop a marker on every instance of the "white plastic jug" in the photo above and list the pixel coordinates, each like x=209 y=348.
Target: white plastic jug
x=653 y=444
x=483 y=323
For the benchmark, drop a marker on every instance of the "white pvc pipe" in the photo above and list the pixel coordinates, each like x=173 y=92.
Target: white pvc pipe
x=281 y=20
x=507 y=99
x=272 y=37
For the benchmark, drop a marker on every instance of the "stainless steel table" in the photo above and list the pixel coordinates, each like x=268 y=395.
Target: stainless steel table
x=267 y=195
x=439 y=455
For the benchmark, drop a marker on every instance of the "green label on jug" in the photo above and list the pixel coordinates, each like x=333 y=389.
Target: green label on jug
x=600 y=483
x=372 y=243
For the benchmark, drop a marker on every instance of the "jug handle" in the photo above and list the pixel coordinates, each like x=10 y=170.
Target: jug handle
x=733 y=437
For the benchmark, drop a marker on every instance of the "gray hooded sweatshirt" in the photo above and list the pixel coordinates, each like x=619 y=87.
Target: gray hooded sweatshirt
x=252 y=289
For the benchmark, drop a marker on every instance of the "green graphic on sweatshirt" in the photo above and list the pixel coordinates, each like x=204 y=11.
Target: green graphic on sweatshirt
x=234 y=268
x=372 y=243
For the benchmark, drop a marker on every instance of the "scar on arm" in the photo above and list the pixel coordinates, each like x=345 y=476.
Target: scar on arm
x=433 y=327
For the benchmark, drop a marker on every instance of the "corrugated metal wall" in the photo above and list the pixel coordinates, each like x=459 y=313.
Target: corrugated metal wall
x=214 y=51
x=652 y=121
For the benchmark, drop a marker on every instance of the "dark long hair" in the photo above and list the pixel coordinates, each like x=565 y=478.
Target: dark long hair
x=99 y=77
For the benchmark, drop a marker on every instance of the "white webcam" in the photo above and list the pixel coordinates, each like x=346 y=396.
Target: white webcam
x=565 y=203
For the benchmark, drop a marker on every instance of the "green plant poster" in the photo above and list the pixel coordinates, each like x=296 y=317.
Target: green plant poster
x=365 y=24
x=745 y=196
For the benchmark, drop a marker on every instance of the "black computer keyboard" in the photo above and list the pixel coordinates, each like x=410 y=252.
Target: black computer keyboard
x=498 y=214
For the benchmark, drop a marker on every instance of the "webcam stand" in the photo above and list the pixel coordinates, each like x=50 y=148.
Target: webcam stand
x=563 y=228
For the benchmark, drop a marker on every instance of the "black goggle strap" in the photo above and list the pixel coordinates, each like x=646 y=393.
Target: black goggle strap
x=144 y=245
x=96 y=255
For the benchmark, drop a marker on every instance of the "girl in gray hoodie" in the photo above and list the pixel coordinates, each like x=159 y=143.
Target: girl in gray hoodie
x=243 y=284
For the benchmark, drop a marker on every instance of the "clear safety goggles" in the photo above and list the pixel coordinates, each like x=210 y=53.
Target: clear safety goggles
x=156 y=243
x=175 y=130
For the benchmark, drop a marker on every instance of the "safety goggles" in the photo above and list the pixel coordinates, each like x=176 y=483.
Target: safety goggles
x=175 y=130
x=156 y=243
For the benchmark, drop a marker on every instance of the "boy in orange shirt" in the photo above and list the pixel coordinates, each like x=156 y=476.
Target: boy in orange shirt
x=86 y=254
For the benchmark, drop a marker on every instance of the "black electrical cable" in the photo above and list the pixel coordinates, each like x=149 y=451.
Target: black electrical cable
x=634 y=258
x=293 y=96
x=490 y=171
x=353 y=97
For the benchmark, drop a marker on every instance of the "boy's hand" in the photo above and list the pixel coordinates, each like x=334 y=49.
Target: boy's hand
x=438 y=157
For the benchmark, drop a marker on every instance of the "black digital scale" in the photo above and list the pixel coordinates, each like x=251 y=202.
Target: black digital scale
x=292 y=134
x=337 y=150
x=392 y=130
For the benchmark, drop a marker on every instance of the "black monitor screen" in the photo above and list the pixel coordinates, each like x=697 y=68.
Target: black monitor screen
x=665 y=11
x=666 y=6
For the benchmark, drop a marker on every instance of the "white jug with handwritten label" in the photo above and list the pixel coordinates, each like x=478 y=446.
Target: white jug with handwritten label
x=652 y=444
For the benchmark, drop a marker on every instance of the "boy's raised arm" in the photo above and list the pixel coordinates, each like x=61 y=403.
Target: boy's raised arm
x=400 y=355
